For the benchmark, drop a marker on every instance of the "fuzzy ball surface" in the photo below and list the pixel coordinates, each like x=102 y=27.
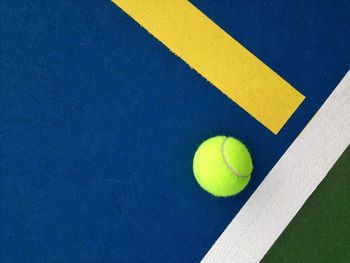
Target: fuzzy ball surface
x=222 y=166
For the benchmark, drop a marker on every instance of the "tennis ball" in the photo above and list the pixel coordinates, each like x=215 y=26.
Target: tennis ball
x=222 y=166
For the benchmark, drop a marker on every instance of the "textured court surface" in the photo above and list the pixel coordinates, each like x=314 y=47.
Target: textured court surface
x=289 y=184
x=99 y=123
x=320 y=232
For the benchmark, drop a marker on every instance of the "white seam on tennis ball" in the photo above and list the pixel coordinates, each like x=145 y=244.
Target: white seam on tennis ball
x=289 y=184
x=229 y=166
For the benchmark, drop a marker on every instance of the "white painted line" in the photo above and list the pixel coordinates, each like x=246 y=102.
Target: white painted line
x=289 y=184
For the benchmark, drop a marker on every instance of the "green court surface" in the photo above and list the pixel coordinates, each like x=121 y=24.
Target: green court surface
x=320 y=232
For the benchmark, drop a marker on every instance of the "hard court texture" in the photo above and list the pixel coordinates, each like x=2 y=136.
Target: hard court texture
x=320 y=232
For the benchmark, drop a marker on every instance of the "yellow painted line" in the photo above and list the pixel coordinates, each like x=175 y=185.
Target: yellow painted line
x=219 y=58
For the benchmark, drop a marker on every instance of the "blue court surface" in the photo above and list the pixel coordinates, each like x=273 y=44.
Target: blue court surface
x=99 y=123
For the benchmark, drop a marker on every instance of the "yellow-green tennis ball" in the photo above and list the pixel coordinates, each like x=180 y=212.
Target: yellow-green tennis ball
x=222 y=166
